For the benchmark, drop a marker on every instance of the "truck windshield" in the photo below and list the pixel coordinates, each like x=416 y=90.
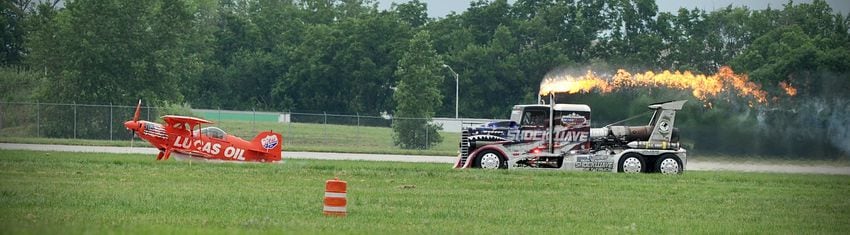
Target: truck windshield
x=534 y=118
x=516 y=115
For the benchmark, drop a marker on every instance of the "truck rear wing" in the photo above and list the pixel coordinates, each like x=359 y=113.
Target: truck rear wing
x=663 y=120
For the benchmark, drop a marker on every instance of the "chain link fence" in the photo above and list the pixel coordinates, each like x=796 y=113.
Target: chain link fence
x=70 y=121
x=106 y=122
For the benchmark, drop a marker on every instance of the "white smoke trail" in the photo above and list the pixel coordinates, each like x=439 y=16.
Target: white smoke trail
x=839 y=125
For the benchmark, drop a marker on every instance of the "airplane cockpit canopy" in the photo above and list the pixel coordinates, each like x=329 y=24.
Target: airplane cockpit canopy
x=212 y=131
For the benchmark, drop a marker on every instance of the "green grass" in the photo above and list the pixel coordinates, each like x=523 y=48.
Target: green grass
x=71 y=193
x=215 y=115
x=338 y=138
x=296 y=137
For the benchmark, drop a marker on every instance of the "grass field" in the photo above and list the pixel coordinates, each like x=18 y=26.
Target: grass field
x=70 y=193
x=220 y=115
x=339 y=138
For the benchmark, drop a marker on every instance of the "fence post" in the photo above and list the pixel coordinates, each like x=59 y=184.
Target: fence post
x=37 y=119
x=325 y=125
x=75 y=119
x=426 y=135
x=254 y=119
x=357 y=130
x=288 y=124
x=110 y=121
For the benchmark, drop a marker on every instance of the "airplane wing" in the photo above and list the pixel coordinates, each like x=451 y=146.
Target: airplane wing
x=192 y=121
x=180 y=124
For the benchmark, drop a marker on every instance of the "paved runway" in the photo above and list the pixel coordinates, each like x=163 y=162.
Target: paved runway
x=286 y=154
x=694 y=165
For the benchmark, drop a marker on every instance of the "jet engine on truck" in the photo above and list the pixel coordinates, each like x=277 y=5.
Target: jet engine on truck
x=558 y=136
x=645 y=137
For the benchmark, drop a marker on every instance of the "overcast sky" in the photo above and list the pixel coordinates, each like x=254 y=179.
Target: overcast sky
x=441 y=8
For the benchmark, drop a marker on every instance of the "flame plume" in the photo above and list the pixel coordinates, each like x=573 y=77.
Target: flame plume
x=701 y=86
x=790 y=90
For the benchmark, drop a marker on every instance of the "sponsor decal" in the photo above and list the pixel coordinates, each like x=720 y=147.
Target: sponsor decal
x=590 y=164
x=575 y=136
x=155 y=130
x=209 y=148
x=663 y=126
x=564 y=135
x=269 y=142
x=573 y=120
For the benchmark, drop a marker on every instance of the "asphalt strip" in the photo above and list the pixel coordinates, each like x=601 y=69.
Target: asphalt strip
x=694 y=165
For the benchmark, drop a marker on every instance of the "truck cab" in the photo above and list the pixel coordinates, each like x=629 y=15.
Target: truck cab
x=559 y=136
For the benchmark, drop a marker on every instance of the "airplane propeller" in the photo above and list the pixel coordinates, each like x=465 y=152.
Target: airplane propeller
x=135 y=119
x=134 y=126
x=138 y=111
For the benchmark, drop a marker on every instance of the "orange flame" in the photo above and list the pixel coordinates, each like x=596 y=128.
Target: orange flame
x=790 y=90
x=702 y=86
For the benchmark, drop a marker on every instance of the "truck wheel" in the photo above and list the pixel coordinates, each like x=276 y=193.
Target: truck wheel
x=669 y=164
x=632 y=163
x=489 y=159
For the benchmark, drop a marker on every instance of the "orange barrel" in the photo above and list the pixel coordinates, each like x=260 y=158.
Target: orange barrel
x=335 y=197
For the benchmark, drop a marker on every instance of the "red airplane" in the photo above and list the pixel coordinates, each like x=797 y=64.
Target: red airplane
x=185 y=139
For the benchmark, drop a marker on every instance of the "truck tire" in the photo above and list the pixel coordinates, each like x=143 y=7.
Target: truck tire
x=669 y=164
x=490 y=159
x=632 y=163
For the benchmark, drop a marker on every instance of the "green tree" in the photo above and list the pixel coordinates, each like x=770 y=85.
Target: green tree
x=417 y=95
x=367 y=58
x=12 y=16
x=449 y=34
x=490 y=76
x=805 y=38
x=232 y=35
x=358 y=53
x=633 y=40
x=483 y=17
x=45 y=53
x=414 y=12
x=199 y=45
x=318 y=11
x=311 y=83
x=114 y=52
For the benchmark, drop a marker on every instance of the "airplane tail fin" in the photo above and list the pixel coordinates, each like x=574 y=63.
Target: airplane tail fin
x=271 y=142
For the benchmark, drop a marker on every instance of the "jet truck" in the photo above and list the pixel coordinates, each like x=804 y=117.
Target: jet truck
x=559 y=136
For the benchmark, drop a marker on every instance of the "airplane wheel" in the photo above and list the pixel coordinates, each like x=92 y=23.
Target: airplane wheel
x=490 y=159
x=632 y=163
x=669 y=164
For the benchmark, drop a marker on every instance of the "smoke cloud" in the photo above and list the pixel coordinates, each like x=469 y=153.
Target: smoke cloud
x=839 y=126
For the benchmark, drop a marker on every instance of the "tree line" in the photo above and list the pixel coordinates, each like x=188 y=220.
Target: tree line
x=345 y=56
